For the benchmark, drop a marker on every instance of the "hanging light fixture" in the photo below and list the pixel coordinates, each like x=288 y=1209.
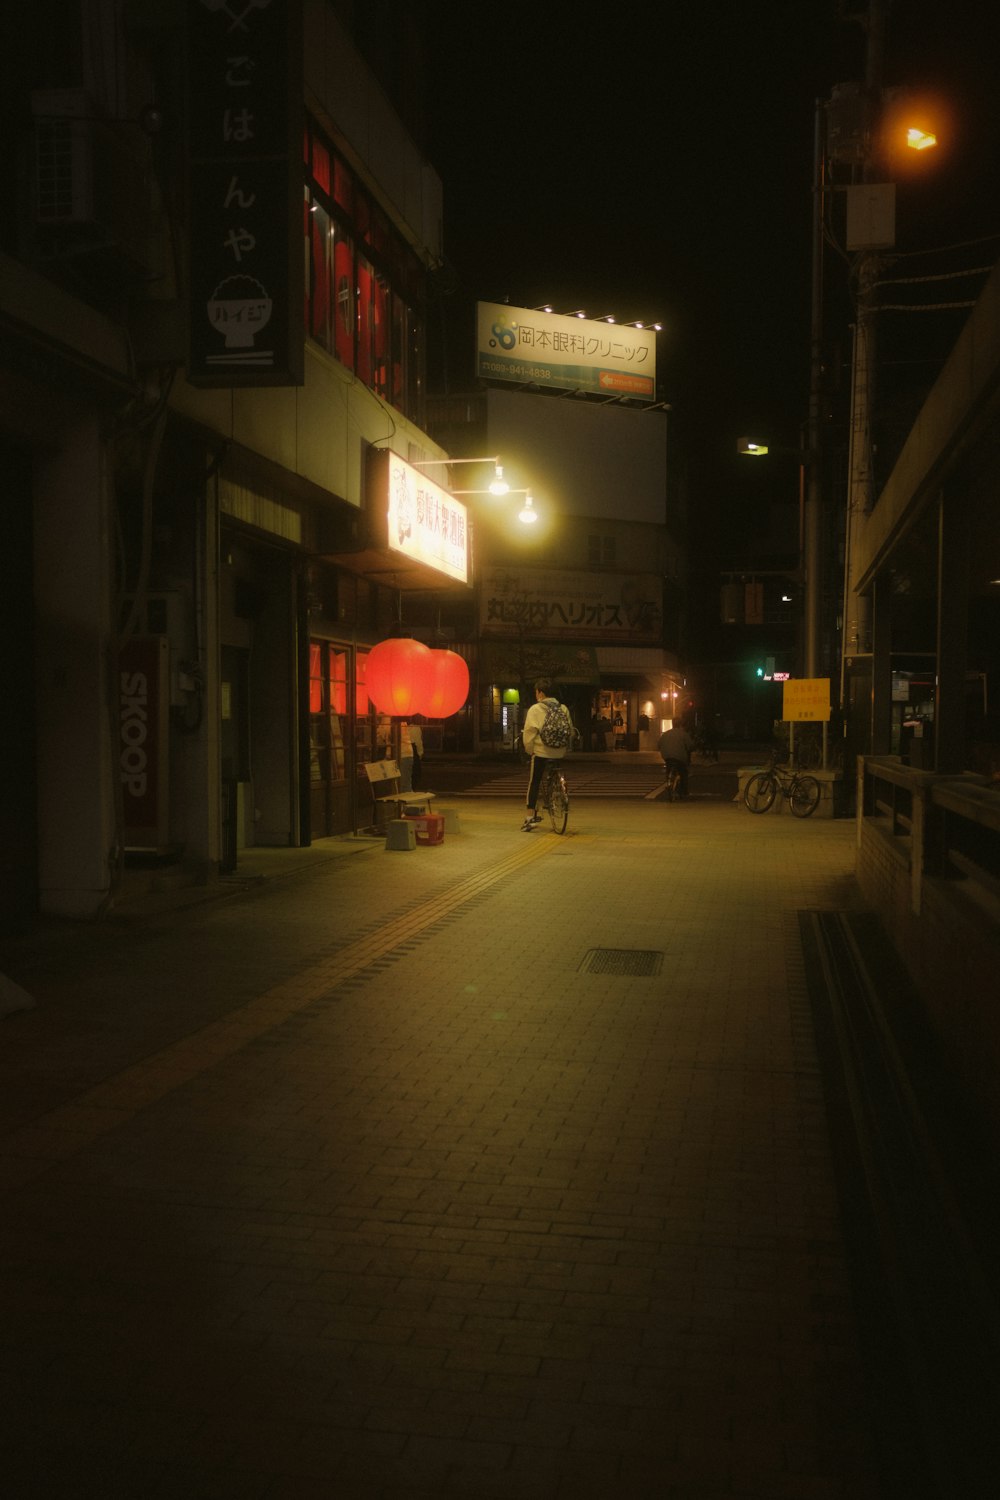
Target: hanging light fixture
x=499 y=485
x=527 y=514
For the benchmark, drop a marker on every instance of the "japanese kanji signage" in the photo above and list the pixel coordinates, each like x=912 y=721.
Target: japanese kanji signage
x=423 y=522
x=806 y=699
x=245 y=116
x=548 y=602
x=575 y=354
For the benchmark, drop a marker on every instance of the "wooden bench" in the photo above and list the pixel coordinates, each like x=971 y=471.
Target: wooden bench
x=384 y=779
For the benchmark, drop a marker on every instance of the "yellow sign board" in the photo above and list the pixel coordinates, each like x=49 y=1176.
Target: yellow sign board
x=806 y=698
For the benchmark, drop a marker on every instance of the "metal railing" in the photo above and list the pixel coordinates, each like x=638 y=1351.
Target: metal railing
x=948 y=827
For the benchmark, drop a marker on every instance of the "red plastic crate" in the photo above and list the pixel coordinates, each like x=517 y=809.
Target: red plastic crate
x=429 y=828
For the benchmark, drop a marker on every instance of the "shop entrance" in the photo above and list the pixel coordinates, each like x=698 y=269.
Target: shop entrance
x=329 y=798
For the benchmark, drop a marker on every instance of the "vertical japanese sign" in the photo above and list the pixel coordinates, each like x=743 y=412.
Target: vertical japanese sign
x=245 y=117
x=416 y=517
x=143 y=683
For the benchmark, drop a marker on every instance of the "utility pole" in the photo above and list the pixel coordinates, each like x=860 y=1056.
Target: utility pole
x=812 y=521
x=856 y=627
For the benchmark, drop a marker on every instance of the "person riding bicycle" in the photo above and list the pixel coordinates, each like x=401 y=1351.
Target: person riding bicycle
x=675 y=745
x=547 y=734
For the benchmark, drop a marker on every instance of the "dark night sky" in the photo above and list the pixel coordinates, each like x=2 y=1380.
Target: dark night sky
x=655 y=160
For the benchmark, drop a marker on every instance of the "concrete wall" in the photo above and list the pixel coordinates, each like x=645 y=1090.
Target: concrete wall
x=950 y=946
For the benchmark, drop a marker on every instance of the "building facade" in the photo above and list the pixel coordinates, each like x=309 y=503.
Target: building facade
x=212 y=318
x=929 y=793
x=589 y=587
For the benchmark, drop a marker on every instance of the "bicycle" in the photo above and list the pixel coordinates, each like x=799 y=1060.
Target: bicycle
x=809 y=751
x=801 y=791
x=553 y=796
x=705 y=745
x=673 y=781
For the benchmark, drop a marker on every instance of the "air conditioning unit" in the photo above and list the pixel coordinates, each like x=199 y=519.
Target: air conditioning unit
x=90 y=175
x=64 y=157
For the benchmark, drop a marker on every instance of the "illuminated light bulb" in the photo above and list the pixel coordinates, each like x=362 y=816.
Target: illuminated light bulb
x=528 y=513
x=499 y=485
x=920 y=140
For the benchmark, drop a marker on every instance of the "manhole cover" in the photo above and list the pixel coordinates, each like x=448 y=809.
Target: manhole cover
x=640 y=962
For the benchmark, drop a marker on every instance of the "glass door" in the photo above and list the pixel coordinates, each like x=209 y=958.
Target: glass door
x=328 y=727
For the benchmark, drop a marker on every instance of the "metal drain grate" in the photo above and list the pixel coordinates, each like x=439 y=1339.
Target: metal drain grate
x=635 y=962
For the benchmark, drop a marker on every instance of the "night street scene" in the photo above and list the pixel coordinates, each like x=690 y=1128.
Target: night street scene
x=560 y=445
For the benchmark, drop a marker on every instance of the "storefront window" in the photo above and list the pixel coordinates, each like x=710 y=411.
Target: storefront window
x=321 y=164
x=327 y=708
x=337 y=708
x=364 y=286
x=382 y=337
x=344 y=317
x=320 y=236
x=343 y=185
x=363 y=714
x=366 y=321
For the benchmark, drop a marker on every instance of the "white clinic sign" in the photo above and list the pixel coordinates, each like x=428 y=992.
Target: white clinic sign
x=566 y=353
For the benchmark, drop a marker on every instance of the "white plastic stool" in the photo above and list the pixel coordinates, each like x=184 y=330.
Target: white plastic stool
x=400 y=834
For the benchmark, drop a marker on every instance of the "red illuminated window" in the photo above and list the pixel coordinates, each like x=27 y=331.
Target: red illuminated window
x=366 y=321
x=343 y=301
x=363 y=285
x=382 y=337
x=321 y=165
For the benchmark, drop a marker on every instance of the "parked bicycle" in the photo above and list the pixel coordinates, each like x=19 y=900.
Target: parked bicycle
x=808 y=754
x=801 y=791
x=553 y=796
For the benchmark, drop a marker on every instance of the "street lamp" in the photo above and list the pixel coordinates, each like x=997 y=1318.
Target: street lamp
x=498 y=485
x=527 y=514
x=865 y=127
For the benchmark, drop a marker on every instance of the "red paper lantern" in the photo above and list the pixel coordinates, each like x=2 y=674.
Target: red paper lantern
x=397 y=676
x=446 y=685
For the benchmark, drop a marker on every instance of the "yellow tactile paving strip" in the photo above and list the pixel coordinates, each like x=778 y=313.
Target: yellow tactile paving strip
x=61 y=1132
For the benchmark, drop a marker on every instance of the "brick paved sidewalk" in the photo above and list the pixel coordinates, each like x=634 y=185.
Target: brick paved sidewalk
x=366 y=1184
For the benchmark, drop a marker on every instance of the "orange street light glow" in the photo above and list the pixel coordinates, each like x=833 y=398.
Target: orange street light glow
x=920 y=140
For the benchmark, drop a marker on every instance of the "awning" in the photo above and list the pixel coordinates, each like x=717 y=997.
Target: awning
x=510 y=662
x=631 y=682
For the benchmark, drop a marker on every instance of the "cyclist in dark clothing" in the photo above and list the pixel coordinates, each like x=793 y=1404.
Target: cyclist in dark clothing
x=675 y=745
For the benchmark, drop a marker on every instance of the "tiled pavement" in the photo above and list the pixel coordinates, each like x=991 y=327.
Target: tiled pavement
x=626 y=775
x=358 y=1183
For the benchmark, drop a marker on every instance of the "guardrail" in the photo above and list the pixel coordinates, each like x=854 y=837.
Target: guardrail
x=929 y=865
x=947 y=826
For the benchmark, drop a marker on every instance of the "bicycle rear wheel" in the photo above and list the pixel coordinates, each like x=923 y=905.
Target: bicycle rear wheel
x=804 y=796
x=759 y=792
x=558 y=800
